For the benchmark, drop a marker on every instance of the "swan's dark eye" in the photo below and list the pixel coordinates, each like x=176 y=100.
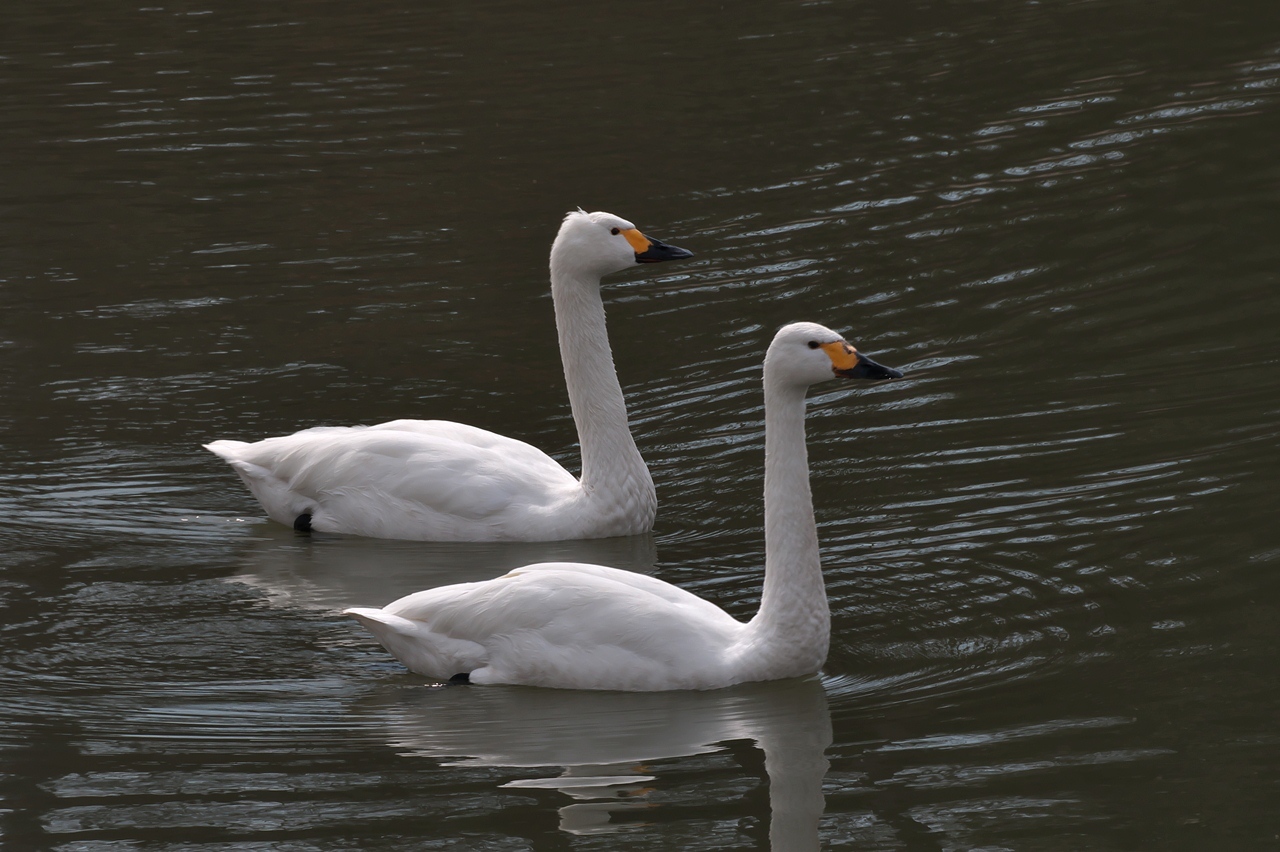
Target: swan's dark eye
x=614 y=231
x=813 y=344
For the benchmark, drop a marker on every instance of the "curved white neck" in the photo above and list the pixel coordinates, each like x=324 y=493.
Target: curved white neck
x=612 y=468
x=793 y=626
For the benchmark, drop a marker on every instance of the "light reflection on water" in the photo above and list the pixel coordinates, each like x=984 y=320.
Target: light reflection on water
x=610 y=744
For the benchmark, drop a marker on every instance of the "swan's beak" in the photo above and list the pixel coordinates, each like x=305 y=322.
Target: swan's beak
x=849 y=363
x=868 y=369
x=649 y=250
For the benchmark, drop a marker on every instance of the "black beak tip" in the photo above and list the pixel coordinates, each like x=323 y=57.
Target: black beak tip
x=870 y=370
x=660 y=251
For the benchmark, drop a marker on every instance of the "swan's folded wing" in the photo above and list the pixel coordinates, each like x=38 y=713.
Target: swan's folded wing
x=640 y=582
x=439 y=466
x=582 y=626
x=567 y=602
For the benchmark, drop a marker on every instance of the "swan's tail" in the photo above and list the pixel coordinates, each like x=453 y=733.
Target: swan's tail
x=379 y=622
x=414 y=644
x=282 y=504
x=227 y=450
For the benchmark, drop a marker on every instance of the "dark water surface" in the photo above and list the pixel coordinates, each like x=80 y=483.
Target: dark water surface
x=1051 y=551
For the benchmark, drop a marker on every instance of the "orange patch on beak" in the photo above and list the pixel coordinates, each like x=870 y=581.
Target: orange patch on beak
x=638 y=241
x=842 y=355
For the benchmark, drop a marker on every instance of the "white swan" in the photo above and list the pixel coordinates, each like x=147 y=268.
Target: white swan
x=442 y=481
x=579 y=626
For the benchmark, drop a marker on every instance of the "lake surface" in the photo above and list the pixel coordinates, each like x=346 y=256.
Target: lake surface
x=1051 y=551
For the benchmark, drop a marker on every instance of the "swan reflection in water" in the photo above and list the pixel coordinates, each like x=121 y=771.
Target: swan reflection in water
x=332 y=572
x=605 y=744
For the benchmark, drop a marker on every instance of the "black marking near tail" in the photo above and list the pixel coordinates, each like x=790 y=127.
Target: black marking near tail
x=461 y=677
x=302 y=523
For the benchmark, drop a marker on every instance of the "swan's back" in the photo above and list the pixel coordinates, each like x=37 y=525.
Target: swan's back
x=573 y=625
x=418 y=479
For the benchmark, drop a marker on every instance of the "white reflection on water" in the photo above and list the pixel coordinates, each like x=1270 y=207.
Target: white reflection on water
x=606 y=744
x=335 y=572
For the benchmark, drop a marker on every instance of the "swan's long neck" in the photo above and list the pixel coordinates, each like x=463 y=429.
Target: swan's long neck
x=613 y=473
x=793 y=626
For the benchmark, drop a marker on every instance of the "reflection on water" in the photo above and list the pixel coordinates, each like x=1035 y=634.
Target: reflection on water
x=336 y=572
x=612 y=747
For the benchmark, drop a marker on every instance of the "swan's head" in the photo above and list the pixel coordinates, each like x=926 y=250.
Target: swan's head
x=804 y=353
x=597 y=244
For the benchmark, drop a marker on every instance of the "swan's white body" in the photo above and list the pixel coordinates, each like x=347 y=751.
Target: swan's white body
x=442 y=481
x=578 y=626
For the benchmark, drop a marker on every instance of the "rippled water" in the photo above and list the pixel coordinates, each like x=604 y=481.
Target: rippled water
x=1050 y=550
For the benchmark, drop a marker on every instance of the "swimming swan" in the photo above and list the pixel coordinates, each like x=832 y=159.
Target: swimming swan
x=579 y=626
x=441 y=481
